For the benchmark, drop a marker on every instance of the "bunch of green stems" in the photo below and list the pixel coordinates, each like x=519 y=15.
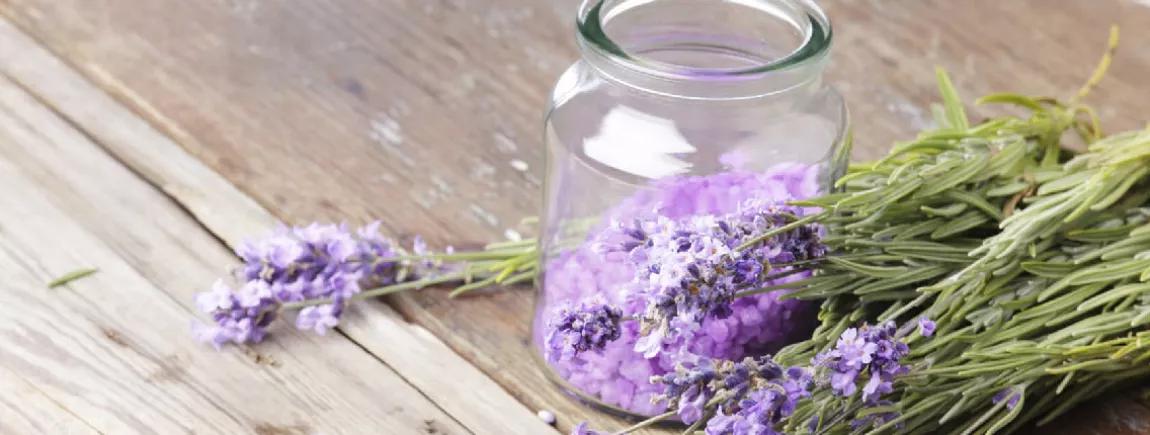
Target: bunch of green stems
x=1034 y=262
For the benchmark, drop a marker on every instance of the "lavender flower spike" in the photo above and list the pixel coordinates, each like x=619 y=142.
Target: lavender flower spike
x=321 y=266
x=870 y=353
x=587 y=328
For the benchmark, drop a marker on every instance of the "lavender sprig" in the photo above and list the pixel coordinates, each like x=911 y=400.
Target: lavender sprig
x=871 y=351
x=588 y=327
x=317 y=268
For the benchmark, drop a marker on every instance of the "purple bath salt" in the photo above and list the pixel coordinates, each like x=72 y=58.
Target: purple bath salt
x=759 y=324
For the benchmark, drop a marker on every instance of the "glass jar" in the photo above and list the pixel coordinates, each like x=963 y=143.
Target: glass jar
x=679 y=108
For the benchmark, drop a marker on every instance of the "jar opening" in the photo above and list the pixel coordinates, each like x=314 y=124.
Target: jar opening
x=715 y=39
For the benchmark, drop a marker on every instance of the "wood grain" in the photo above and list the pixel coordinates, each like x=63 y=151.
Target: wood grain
x=414 y=111
x=425 y=361
x=26 y=409
x=114 y=348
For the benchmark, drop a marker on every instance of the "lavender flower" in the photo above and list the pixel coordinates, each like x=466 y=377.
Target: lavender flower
x=691 y=269
x=926 y=327
x=321 y=266
x=757 y=414
x=752 y=390
x=320 y=318
x=240 y=316
x=1012 y=401
x=587 y=328
x=873 y=351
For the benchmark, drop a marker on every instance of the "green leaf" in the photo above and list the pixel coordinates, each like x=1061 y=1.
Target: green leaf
x=1109 y=272
x=949 y=210
x=974 y=200
x=71 y=276
x=822 y=201
x=904 y=279
x=1101 y=235
x=890 y=296
x=924 y=227
x=1061 y=304
x=1013 y=99
x=928 y=254
x=1049 y=269
x=955 y=113
x=1138 y=242
x=939 y=115
x=877 y=410
x=1009 y=189
x=1117 y=193
x=1064 y=183
x=963 y=174
x=869 y=270
x=967 y=221
x=1114 y=294
x=890 y=231
x=924 y=146
x=894 y=193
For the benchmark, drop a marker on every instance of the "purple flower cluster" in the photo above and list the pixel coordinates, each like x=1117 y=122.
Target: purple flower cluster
x=871 y=350
x=754 y=396
x=759 y=411
x=691 y=269
x=753 y=393
x=241 y=315
x=690 y=386
x=757 y=325
x=588 y=327
x=322 y=264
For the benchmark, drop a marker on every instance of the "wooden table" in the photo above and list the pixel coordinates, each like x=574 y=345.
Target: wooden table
x=145 y=137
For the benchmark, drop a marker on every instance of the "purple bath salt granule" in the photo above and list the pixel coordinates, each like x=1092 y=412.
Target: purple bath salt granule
x=759 y=324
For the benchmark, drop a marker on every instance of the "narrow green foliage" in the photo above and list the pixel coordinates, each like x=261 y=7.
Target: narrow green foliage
x=71 y=276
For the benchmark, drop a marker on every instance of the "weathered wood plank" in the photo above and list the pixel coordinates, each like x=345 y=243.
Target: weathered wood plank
x=114 y=348
x=25 y=410
x=414 y=111
x=426 y=362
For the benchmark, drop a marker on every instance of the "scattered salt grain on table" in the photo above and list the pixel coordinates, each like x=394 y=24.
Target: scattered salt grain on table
x=546 y=416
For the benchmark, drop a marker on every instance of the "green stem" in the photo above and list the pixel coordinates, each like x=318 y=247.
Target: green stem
x=526 y=243
x=459 y=256
x=473 y=286
x=780 y=230
x=410 y=285
x=647 y=423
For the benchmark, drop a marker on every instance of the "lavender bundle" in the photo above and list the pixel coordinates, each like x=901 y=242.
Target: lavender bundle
x=1019 y=272
x=318 y=270
x=1033 y=261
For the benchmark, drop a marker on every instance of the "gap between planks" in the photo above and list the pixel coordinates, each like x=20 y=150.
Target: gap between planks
x=457 y=387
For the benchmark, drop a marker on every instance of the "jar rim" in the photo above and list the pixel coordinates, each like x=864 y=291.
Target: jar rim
x=816 y=43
